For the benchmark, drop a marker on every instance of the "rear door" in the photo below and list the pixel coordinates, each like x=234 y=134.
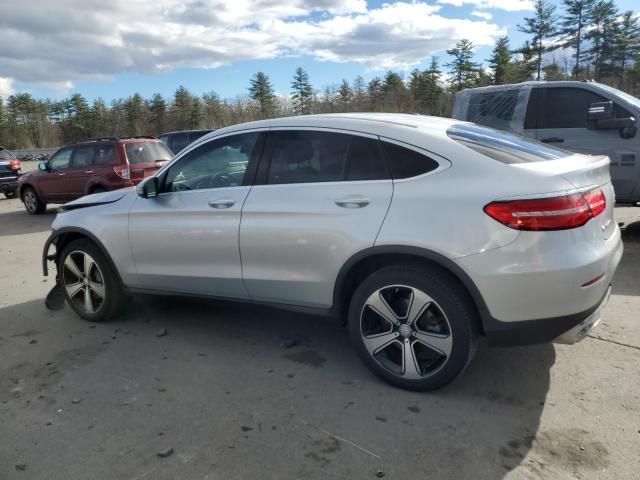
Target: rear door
x=562 y=121
x=186 y=239
x=320 y=197
x=145 y=158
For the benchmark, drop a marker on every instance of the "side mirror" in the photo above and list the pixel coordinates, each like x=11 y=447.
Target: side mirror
x=600 y=111
x=42 y=166
x=149 y=188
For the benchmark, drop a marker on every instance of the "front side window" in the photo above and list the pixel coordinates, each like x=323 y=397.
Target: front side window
x=83 y=156
x=302 y=156
x=503 y=146
x=61 y=159
x=216 y=164
x=568 y=107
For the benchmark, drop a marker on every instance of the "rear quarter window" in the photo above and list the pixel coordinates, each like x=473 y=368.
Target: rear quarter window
x=405 y=162
x=493 y=109
x=503 y=146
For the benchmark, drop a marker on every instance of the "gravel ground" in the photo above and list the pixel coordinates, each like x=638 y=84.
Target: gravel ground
x=219 y=396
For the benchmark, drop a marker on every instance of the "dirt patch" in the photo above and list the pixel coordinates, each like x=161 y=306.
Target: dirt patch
x=307 y=357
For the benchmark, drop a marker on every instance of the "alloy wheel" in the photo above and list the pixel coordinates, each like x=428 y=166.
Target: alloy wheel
x=30 y=200
x=83 y=282
x=406 y=331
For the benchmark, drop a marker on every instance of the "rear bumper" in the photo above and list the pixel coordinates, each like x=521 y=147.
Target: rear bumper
x=9 y=184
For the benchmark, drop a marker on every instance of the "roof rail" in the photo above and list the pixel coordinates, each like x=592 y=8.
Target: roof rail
x=144 y=136
x=99 y=139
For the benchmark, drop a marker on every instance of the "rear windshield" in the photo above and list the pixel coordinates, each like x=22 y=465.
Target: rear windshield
x=6 y=154
x=147 y=152
x=503 y=146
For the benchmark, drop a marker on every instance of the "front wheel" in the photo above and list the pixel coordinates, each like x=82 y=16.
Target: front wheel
x=413 y=327
x=91 y=286
x=32 y=202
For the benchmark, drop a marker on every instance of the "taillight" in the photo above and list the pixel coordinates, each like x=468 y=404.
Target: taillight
x=14 y=164
x=554 y=213
x=123 y=171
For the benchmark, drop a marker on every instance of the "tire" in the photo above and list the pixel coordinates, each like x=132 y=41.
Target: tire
x=98 y=296
x=432 y=333
x=10 y=194
x=97 y=189
x=32 y=202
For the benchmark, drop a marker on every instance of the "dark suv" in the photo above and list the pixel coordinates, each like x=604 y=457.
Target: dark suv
x=176 y=141
x=10 y=170
x=91 y=166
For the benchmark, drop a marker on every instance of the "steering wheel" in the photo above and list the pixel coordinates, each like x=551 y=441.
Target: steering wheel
x=214 y=181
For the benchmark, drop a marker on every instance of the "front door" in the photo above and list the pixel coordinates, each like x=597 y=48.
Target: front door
x=562 y=121
x=322 y=198
x=53 y=183
x=81 y=170
x=186 y=239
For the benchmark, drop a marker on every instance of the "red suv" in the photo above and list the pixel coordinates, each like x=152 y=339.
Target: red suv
x=91 y=166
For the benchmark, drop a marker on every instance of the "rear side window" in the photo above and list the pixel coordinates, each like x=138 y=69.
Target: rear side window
x=147 y=152
x=178 y=141
x=105 y=155
x=494 y=109
x=503 y=146
x=83 y=156
x=311 y=156
x=405 y=162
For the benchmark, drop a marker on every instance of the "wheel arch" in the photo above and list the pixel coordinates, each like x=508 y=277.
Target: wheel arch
x=62 y=237
x=91 y=186
x=372 y=259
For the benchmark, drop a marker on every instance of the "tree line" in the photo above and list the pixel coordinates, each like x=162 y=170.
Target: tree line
x=586 y=39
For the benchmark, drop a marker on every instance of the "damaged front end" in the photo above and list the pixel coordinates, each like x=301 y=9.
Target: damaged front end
x=55 y=297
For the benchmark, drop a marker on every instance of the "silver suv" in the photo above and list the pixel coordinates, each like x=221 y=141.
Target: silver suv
x=422 y=233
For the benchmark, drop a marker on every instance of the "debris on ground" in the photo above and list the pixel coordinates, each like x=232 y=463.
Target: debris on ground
x=165 y=453
x=379 y=474
x=76 y=400
x=21 y=467
x=290 y=342
x=162 y=332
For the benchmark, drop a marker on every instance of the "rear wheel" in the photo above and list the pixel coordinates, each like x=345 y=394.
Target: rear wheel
x=414 y=328
x=91 y=286
x=98 y=189
x=32 y=202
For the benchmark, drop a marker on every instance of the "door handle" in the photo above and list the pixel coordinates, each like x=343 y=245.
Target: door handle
x=89 y=171
x=61 y=174
x=353 y=202
x=552 y=140
x=222 y=203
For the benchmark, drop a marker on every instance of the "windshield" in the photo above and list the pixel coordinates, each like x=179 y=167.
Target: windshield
x=147 y=152
x=619 y=93
x=503 y=146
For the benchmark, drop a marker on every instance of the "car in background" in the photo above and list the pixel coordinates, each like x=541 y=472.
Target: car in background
x=10 y=171
x=580 y=116
x=91 y=166
x=176 y=141
x=423 y=233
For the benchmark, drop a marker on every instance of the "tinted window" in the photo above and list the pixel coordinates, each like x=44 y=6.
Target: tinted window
x=216 y=164
x=309 y=156
x=178 y=141
x=567 y=107
x=105 y=155
x=61 y=159
x=494 y=109
x=531 y=117
x=147 y=152
x=405 y=162
x=83 y=156
x=503 y=146
x=6 y=154
x=193 y=136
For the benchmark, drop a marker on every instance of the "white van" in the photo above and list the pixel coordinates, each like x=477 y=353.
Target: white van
x=582 y=116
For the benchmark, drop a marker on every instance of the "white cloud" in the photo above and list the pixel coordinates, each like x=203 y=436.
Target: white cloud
x=6 y=88
x=481 y=14
x=508 y=5
x=67 y=40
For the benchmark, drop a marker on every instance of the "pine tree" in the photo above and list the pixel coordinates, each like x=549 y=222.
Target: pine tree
x=374 y=92
x=500 y=61
x=462 y=67
x=627 y=41
x=359 y=93
x=181 y=109
x=345 y=95
x=158 y=114
x=301 y=92
x=602 y=33
x=541 y=27
x=573 y=24
x=261 y=91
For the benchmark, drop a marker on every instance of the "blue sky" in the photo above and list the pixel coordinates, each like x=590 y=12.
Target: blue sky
x=65 y=46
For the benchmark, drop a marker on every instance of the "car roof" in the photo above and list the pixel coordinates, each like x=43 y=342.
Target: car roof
x=535 y=83
x=373 y=123
x=206 y=130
